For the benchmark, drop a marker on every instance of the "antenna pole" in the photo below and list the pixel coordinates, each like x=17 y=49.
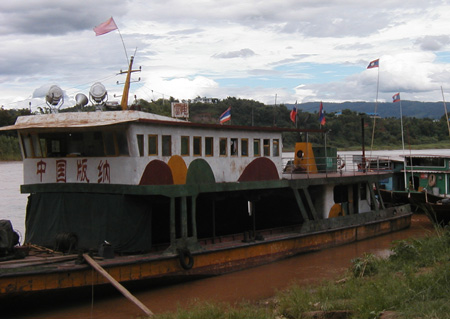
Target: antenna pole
x=126 y=87
x=403 y=142
x=123 y=43
x=375 y=114
x=445 y=108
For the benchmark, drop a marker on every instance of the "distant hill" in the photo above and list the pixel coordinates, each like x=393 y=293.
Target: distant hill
x=433 y=110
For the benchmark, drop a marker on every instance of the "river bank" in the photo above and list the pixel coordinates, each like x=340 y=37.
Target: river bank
x=413 y=281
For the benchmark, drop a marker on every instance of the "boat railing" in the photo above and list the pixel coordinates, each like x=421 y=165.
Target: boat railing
x=341 y=165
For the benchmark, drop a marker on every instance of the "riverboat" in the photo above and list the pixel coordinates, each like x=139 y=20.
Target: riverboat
x=427 y=177
x=154 y=198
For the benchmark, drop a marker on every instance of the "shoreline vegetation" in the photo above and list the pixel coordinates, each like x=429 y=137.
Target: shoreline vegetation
x=10 y=151
x=9 y=148
x=344 y=127
x=413 y=282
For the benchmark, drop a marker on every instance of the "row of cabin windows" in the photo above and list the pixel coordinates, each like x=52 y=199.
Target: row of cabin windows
x=207 y=145
x=95 y=144
x=425 y=161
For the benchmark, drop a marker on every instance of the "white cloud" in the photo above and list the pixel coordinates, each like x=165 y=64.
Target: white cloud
x=252 y=49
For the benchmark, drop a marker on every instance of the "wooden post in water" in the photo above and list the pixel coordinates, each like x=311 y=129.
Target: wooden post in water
x=116 y=284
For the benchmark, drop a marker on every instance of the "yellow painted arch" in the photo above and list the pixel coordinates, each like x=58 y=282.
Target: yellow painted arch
x=178 y=168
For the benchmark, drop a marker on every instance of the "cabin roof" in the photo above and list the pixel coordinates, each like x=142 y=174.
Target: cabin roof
x=83 y=119
x=94 y=119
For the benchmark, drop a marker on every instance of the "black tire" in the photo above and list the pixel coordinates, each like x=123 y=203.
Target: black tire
x=184 y=254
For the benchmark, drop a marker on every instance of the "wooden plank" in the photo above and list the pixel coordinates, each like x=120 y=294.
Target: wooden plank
x=116 y=284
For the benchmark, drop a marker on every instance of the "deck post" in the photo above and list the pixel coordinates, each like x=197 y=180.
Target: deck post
x=300 y=204
x=377 y=185
x=173 y=234
x=194 y=216
x=213 y=221
x=372 y=196
x=253 y=212
x=184 y=228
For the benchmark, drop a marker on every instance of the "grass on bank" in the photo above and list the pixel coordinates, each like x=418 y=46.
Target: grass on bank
x=414 y=282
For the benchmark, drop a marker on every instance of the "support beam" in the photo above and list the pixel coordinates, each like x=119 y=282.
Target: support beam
x=300 y=204
x=310 y=203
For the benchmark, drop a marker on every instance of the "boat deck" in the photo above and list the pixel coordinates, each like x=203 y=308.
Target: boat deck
x=44 y=260
x=344 y=173
x=288 y=180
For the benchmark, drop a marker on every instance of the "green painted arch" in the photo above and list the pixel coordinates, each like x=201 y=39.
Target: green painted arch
x=199 y=172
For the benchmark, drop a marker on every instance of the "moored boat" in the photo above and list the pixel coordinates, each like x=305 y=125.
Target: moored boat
x=428 y=180
x=439 y=212
x=155 y=198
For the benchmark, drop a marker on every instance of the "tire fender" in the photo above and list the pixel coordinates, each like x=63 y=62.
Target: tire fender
x=183 y=255
x=432 y=180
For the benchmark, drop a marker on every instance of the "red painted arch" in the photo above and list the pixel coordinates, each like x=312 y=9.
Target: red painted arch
x=157 y=173
x=260 y=169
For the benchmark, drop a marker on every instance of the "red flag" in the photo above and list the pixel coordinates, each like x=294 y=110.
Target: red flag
x=105 y=27
x=293 y=114
x=321 y=115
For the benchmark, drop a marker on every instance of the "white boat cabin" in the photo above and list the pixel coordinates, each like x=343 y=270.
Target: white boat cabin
x=132 y=148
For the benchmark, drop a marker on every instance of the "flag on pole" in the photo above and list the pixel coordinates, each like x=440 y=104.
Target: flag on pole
x=374 y=64
x=226 y=116
x=105 y=27
x=321 y=115
x=293 y=114
x=396 y=97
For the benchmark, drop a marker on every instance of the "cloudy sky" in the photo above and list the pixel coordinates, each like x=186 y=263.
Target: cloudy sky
x=283 y=51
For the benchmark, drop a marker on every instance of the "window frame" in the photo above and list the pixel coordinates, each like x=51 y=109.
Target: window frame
x=275 y=147
x=199 y=140
x=258 y=148
x=185 y=139
x=234 y=142
x=266 y=147
x=244 y=140
x=151 y=137
x=211 y=147
x=221 y=147
x=164 y=143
